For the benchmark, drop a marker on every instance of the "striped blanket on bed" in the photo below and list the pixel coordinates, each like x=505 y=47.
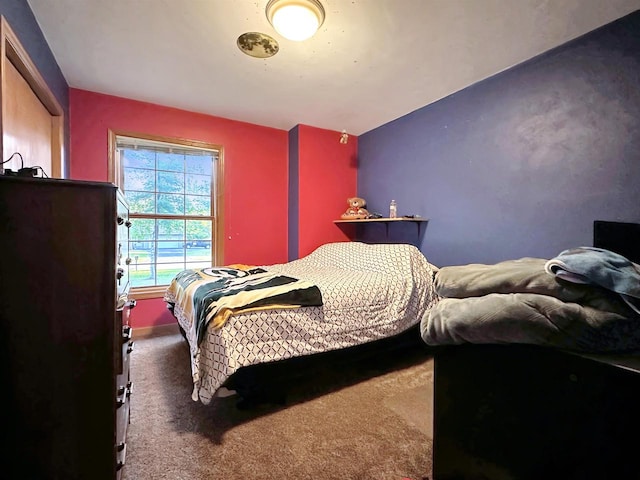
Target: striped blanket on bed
x=212 y=295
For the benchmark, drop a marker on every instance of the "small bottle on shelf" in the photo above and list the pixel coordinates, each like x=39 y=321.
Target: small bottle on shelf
x=393 y=209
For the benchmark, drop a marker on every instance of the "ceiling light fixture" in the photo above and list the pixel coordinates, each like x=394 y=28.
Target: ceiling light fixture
x=295 y=19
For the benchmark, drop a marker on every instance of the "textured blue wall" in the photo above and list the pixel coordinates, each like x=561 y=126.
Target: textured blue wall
x=522 y=163
x=21 y=20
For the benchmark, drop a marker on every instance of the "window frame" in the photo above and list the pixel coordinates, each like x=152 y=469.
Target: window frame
x=116 y=176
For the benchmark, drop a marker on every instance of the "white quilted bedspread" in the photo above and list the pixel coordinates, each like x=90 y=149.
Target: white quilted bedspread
x=369 y=292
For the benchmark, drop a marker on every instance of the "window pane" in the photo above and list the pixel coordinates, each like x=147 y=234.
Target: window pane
x=141 y=258
x=171 y=242
x=170 y=252
x=142 y=231
x=170 y=204
x=166 y=272
x=138 y=179
x=171 y=161
x=170 y=182
x=198 y=184
x=199 y=164
x=199 y=230
x=170 y=229
x=140 y=158
x=197 y=205
x=142 y=268
x=142 y=278
x=195 y=265
x=140 y=202
x=200 y=252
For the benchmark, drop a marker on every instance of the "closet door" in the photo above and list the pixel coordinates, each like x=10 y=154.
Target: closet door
x=32 y=122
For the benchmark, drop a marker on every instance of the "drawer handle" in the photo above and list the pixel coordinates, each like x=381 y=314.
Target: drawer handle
x=127 y=332
x=122 y=396
x=121 y=453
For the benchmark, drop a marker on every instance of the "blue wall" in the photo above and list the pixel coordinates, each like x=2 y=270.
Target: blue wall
x=293 y=211
x=21 y=20
x=522 y=163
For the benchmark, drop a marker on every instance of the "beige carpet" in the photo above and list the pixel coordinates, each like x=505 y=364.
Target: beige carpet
x=369 y=420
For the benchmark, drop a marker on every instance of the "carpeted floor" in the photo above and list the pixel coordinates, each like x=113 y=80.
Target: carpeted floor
x=368 y=420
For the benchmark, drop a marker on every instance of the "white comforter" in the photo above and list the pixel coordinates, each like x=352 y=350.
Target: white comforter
x=369 y=292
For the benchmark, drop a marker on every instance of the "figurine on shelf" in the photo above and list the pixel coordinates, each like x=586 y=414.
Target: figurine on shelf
x=356 y=209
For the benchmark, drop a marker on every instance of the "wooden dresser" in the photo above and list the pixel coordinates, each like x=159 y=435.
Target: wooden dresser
x=65 y=336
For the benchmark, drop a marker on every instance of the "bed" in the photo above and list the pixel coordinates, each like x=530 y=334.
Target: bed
x=367 y=293
x=537 y=366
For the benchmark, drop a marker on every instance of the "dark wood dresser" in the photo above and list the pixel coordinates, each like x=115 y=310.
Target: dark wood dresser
x=65 y=336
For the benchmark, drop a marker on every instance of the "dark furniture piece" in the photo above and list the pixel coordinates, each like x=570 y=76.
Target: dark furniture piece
x=527 y=412
x=65 y=334
x=523 y=412
x=620 y=237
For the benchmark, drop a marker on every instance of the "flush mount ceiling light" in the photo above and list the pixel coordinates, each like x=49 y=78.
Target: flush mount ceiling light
x=295 y=19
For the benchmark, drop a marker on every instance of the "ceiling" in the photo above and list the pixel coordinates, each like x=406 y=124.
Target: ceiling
x=371 y=62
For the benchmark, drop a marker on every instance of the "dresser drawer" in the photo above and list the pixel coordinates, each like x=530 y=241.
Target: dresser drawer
x=121 y=454
x=127 y=347
x=123 y=343
x=124 y=389
x=123 y=401
x=123 y=410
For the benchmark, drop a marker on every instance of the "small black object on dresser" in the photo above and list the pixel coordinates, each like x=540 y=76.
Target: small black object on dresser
x=65 y=340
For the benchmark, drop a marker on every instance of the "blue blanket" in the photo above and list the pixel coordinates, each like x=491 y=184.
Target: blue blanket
x=597 y=266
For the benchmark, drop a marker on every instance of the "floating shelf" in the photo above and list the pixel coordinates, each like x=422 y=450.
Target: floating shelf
x=386 y=221
x=383 y=220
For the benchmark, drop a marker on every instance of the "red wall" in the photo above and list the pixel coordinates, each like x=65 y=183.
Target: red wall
x=255 y=176
x=255 y=173
x=327 y=177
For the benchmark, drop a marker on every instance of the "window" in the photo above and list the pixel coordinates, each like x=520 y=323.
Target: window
x=174 y=189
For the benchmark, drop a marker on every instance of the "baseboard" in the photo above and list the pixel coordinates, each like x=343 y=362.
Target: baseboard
x=155 y=331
